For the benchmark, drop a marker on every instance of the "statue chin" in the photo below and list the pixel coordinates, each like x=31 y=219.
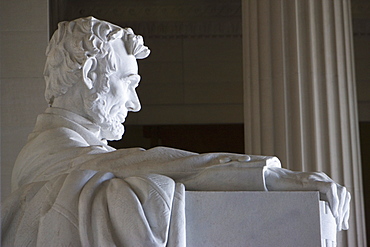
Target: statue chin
x=113 y=132
x=110 y=128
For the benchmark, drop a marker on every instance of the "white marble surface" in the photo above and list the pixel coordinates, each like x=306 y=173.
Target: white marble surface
x=256 y=219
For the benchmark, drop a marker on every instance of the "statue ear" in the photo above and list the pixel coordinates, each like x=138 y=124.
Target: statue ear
x=88 y=72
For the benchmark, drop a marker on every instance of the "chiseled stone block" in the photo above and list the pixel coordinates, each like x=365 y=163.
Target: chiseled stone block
x=256 y=219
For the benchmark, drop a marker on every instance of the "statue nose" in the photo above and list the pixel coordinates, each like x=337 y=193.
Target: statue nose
x=133 y=104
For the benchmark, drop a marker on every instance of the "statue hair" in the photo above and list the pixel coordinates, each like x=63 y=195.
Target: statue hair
x=76 y=41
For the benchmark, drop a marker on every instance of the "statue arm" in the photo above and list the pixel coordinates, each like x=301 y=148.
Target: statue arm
x=210 y=171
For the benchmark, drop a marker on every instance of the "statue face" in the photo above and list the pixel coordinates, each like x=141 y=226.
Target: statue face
x=111 y=109
x=122 y=96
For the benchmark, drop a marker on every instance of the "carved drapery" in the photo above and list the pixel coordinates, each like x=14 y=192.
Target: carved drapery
x=300 y=95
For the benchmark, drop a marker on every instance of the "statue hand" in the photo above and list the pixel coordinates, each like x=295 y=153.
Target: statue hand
x=337 y=196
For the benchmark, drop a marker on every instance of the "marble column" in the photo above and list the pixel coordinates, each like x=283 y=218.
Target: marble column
x=300 y=94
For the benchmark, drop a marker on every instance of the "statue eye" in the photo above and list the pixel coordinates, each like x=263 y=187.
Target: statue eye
x=126 y=81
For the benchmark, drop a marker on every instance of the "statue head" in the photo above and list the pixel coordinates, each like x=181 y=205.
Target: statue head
x=91 y=68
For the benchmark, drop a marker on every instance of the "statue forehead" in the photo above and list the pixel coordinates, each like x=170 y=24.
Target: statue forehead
x=126 y=63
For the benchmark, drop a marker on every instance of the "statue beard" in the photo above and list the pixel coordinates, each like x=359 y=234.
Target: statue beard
x=111 y=128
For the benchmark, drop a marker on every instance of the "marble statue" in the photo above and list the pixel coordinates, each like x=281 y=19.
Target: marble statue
x=69 y=188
